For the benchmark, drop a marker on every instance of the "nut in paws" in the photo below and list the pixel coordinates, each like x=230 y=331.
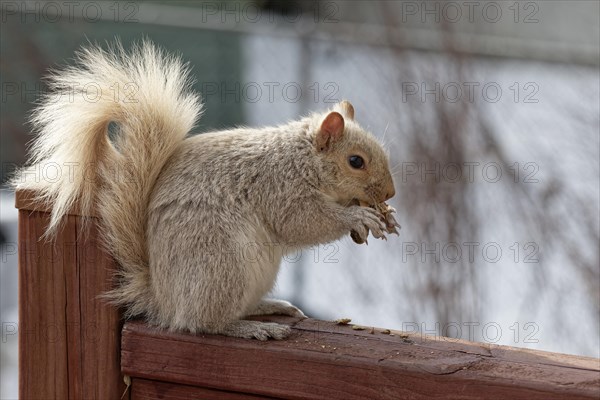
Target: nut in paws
x=385 y=215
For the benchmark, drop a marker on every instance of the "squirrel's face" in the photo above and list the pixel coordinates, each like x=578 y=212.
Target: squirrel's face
x=355 y=158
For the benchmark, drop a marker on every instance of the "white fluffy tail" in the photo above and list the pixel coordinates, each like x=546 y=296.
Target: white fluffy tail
x=145 y=98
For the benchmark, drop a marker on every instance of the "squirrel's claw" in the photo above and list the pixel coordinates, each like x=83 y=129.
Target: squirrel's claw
x=392 y=224
x=378 y=220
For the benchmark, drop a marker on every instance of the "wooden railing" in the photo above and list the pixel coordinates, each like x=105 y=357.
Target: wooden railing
x=73 y=346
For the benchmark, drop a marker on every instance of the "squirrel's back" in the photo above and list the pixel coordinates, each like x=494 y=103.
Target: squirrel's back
x=233 y=164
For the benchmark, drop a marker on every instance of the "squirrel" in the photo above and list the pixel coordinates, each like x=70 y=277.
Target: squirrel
x=198 y=224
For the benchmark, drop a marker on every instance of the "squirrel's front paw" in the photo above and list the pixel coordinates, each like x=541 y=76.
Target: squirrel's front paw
x=367 y=219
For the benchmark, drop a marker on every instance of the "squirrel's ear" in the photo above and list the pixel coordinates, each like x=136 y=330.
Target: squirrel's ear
x=346 y=108
x=332 y=130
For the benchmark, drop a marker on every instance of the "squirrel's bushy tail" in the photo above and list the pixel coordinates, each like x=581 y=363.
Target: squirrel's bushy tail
x=144 y=96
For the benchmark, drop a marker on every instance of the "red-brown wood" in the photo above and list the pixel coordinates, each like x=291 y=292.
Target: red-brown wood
x=326 y=361
x=69 y=339
x=143 y=389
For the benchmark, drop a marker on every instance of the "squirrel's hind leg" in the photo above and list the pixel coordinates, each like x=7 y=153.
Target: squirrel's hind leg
x=275 y=306
x=256 y=330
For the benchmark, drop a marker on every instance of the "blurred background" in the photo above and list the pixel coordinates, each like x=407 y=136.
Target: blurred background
x=490 y=111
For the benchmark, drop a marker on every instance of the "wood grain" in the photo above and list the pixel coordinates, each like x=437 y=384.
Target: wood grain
x=143 y=389
x=69 y=339
x=326 y=361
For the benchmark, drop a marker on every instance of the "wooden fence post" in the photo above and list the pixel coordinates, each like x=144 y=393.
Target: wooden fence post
x=69 y=339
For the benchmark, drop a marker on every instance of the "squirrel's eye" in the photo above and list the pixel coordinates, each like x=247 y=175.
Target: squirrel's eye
x=356 y=162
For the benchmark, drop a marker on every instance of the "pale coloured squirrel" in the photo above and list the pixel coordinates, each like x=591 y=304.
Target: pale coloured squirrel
x=198 y=224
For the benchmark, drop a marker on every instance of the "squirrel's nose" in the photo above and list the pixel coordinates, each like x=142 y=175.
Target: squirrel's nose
x=390 y=193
